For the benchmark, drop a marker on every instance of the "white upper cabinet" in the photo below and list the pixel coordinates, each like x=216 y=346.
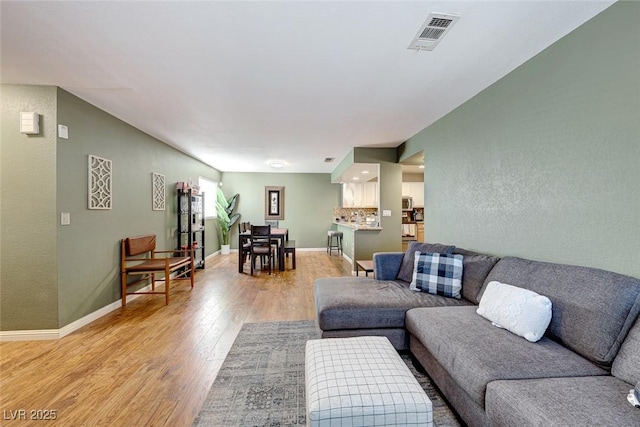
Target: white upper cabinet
x=360 y=195
x=370 y=196
x=348 y=195
x=416 y=191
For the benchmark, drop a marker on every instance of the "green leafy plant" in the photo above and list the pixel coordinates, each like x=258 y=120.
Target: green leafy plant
x=226 y=217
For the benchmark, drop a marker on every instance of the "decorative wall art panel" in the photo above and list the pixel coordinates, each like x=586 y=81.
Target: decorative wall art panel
x=158 y=192
x=100 y=175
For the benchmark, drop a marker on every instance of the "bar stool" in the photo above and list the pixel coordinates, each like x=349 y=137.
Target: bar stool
x=337 y=245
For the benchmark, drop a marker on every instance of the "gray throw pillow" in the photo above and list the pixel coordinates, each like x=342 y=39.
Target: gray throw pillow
x=626 y=365
x=476 y=268
x=408 y=261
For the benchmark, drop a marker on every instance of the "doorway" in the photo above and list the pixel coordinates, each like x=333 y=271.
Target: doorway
x=413 y=205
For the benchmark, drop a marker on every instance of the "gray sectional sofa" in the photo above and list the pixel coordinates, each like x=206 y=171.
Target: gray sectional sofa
x=578 y=374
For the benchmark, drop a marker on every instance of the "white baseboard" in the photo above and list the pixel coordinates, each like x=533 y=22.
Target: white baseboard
x=35 y=335
x=74 y=326
x=54 y=334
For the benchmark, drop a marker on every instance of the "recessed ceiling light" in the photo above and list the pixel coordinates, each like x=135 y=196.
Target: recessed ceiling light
x=421 y=167
x=355 y=178
x=277 y=164
x=365 y=172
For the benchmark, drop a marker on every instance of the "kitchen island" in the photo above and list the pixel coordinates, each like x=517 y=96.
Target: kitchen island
x=359 y=241
x=366 y=231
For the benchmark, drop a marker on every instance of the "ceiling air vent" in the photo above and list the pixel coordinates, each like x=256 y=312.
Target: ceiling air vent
x=329 y=159
x=432 y=31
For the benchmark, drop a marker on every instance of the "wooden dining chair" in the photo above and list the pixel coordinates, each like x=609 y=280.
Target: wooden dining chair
x=246 y=246
x=261 y=246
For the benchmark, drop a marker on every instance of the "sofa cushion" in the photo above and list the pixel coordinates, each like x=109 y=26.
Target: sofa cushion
x=386 y=265
x=406 y=269
x=439 y=274
x=580 y=401
x=474 y=352
x=366 y=303
x=626 y=366
x=592 y=309
x=518 y=310
x=475 y=268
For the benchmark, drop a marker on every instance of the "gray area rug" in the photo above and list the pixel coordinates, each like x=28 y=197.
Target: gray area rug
x=261 y=382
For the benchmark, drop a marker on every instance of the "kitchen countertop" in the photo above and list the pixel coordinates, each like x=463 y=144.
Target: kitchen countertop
x=355 y=226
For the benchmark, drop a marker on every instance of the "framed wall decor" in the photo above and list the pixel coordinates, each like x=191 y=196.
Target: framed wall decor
x=100 y=174
x=157 y=192
x=273 y=202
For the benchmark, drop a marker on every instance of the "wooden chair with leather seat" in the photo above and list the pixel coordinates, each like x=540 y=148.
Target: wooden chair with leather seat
x=139 y=257
x=261 y=245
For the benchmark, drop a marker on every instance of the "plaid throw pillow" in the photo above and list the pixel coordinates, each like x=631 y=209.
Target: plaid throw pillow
x=438 y=274
x=408 y=261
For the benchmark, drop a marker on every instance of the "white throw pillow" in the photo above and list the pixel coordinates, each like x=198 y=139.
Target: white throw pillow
x=521 y=311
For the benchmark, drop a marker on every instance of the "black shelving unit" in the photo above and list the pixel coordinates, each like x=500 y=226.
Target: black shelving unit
x=191 y=224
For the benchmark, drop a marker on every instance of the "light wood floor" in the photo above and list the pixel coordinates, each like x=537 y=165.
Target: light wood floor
x=151 y=364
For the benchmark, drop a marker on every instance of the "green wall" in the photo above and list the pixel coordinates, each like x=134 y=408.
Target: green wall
x=28 y=272
x=57 y=274
x=389 y=239
x=544 y=164
x=309 y=202
x=89 y=249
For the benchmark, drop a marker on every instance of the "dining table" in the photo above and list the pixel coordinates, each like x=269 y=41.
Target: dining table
x=278 y=235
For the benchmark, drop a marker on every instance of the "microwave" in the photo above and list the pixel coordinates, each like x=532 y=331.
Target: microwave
x=407 y=203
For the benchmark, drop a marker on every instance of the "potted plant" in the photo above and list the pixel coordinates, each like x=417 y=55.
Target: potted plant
x=226 y=218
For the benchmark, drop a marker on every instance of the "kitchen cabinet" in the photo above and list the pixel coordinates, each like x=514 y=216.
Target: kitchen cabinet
x=359 y=195
x=416 y=191
x=370 y=196
x=348 y=195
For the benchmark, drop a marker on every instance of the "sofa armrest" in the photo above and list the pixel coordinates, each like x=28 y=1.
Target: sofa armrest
x=387 y=264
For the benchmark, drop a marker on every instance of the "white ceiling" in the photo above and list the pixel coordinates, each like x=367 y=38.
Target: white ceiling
x=236 y=84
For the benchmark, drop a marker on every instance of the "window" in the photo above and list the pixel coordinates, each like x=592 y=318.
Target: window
x=209 y=189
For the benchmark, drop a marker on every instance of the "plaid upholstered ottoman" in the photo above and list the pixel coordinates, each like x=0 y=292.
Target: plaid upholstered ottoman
x=362 y=381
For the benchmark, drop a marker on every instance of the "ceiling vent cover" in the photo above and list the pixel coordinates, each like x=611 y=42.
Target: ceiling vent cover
x=432 y=31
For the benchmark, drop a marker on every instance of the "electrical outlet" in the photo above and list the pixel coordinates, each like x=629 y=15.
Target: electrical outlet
x=386 y=212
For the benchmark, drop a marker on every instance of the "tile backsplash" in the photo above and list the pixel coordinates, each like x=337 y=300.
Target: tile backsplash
x=349 y=214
